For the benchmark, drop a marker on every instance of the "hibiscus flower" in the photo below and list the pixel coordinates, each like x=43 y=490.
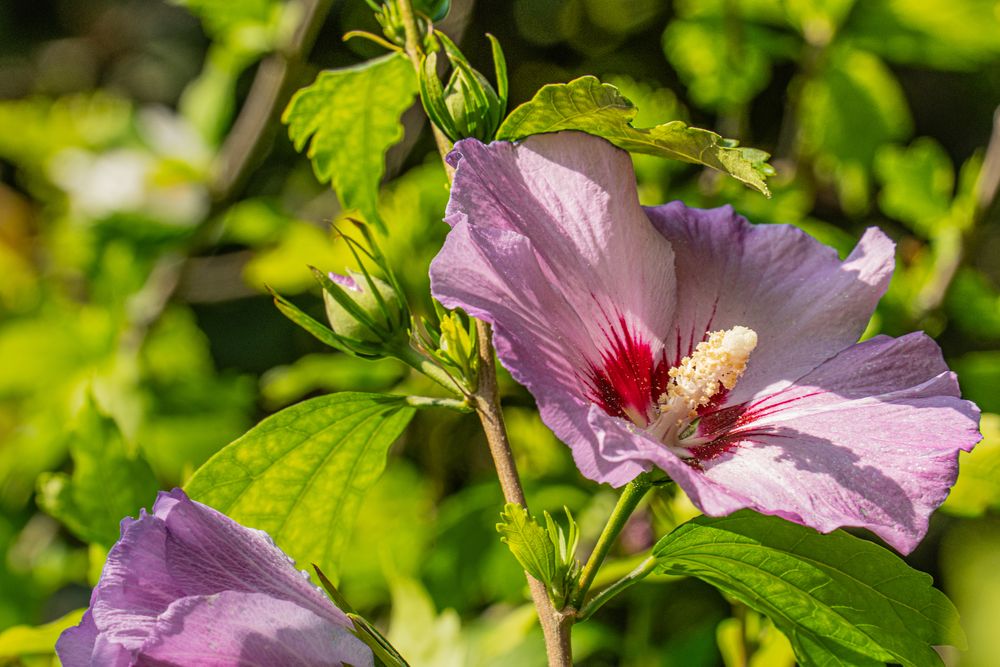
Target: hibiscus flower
x=187 y=586
x=720 y=352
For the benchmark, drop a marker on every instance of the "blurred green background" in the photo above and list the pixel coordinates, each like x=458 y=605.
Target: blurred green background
x=148 y=193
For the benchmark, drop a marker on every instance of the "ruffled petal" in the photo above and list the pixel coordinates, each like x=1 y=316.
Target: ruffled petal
x=235 y=629
x=207 y=552
x=870 y=438
x=184 y=549
x=803 y=302
x=574 y=197
x=135 y=586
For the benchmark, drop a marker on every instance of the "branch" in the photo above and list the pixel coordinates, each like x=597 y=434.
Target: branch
x=271 y=89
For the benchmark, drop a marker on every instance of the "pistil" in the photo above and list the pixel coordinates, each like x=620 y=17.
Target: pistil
x=715 y=365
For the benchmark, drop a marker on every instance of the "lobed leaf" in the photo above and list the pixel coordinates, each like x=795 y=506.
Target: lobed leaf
x=301 y=474
x=587 y=105
x=109 y=481
x=529 y=543
x=839 y=599
x=349 y=118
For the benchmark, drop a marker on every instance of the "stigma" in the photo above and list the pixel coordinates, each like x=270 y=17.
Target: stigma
x=715 y=366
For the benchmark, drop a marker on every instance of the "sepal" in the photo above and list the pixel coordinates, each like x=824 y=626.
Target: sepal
x=468 y=105
x=547 y=554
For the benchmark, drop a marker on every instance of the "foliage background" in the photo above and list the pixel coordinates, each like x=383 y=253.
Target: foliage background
x=136 y=336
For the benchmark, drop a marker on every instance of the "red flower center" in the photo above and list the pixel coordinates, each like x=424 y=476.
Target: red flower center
x=628 y=380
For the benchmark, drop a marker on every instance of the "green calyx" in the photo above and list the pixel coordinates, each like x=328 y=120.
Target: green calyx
x=374 y=297
x=468 y=105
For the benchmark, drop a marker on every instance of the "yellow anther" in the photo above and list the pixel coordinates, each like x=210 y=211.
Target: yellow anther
x=716 y=363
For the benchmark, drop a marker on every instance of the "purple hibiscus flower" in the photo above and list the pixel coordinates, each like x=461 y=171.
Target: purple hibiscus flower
x=723 y=353
x=187 y=586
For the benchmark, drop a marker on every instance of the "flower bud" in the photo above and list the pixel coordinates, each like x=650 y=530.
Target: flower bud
x=468 y=106
x=383 y=311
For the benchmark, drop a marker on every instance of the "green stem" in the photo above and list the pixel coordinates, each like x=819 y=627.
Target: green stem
x=627 y=502
x=433 y=402
x=414 y=50
x=635 y=576
x=421 y=363
x=556 y=624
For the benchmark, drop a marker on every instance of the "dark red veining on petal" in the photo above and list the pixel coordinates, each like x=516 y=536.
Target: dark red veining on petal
x=628 y=379
x=729 y=426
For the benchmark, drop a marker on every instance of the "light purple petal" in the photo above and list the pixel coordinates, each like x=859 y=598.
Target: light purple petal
x=186 y=548
x=574 y=197
x=550 y=245
x=82 y=646
x=135 y=585
x=870 y=438
x=347 y=282
x=233 y=629
x=803 y=302
x=207 y=552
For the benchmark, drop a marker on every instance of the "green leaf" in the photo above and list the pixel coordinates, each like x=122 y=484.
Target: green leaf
x=718 y=73
x=978 y=485
x=529 y=542
x=839 y=599
x=222 y=17
x=851 y=108
x=918 y=183
x=301 y=474
x=587 y=105
x=942 y=34
x=109 y=481
x=24 y=640
x=419 y=632
x=350 y=117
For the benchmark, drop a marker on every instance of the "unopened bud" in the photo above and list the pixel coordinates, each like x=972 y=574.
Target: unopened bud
x=383 y=315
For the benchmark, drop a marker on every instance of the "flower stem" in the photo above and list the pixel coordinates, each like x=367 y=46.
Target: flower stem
x=556 y=624
x=627 y=502
x=415 y=51
x=415 y=360
x=435 y=402
x=633 y=577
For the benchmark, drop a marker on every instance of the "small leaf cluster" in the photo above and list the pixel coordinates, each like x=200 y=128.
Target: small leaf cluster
x=548 y=554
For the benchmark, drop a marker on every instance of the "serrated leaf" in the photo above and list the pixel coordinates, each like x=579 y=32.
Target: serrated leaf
x=839 y=599
x=529 y=543
x=587 y=105
x=349 y=118
x=301 y=474
x=108 y=481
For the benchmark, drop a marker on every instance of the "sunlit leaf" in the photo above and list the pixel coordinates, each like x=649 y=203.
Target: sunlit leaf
x=918 y=182
x=839 y=599
x=847 y=112
x=349 y=118
x=944 y=34
x=302 y=473
x=108 y=482
x=719 y=72
x=587 y=105
x=23 y=640
x=978 y=485
x=529 y=542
